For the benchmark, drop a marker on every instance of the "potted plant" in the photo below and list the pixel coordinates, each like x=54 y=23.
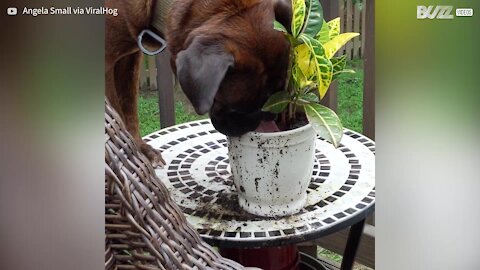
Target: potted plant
x=272 y=170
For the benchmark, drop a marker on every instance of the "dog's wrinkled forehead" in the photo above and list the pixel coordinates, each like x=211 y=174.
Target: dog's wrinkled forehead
x=255 y=36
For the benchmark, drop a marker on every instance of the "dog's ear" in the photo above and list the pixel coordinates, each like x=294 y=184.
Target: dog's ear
x=200 y=70
x=283 y=12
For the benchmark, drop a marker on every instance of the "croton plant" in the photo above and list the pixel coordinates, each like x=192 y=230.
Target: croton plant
x=313 y=67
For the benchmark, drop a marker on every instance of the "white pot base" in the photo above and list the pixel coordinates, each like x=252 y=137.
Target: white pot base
x=272 y=210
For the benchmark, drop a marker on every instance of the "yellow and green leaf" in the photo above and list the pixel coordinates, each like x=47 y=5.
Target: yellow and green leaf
x=334 y=28
x=338 y=64
x=332 y=46
x=314 y=18
x=299 y=10
x=303 y=59
x=299 y=79
x=323 y=66
x=323 y=35
x=325 y=122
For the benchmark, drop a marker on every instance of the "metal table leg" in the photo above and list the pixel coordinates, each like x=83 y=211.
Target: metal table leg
x=353 y=242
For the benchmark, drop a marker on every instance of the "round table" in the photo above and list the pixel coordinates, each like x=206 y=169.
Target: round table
x=341 y=192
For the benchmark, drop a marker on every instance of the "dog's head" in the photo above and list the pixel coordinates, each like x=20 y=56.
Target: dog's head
x=232 y=62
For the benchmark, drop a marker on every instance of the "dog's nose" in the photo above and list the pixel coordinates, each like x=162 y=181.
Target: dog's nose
x=235 y=123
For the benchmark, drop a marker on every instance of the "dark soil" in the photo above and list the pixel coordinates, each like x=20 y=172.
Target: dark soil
x=226 y=205
x=300 y=121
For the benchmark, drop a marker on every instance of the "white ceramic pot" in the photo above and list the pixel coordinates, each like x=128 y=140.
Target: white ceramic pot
x=272 y=171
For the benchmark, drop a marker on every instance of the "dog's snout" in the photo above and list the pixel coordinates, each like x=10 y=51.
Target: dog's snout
x=233 y=121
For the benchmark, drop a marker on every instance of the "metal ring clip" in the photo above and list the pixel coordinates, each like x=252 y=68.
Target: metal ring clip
x=154 y=36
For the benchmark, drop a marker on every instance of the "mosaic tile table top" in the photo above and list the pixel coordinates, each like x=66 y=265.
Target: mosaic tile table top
x=341 y=191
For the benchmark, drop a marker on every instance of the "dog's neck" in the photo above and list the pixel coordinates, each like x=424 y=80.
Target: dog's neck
x=160 y=11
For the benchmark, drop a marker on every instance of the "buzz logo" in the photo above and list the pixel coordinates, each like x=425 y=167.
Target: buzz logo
x=434 y=12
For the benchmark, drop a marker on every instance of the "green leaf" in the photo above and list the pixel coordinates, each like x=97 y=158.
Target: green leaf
x=307 y=98
x=279 y=27
x=298 y=19
x=338 y=64
x=311 y=88
x=325 y=122
x=277 y=102
x=323 y=35
x=332 y=46
x=314 y=20
x=323 y=66
x=345 y=71
x=334 y=28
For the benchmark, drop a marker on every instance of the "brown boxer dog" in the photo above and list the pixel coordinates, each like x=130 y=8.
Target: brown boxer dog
x=226 y=54
x=122 y=64
x=228 y=58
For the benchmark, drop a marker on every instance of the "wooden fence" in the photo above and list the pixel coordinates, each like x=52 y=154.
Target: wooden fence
x=352 y=17
x=148 y=74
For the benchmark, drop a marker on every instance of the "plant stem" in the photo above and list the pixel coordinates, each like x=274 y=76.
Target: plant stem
x=291 y=86
x=295 y=107
x=290 y=113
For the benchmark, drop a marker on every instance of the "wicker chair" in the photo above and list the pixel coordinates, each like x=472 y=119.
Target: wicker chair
x=144 y=228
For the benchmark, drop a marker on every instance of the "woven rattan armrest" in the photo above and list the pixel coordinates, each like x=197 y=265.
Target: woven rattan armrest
x=144 y=228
